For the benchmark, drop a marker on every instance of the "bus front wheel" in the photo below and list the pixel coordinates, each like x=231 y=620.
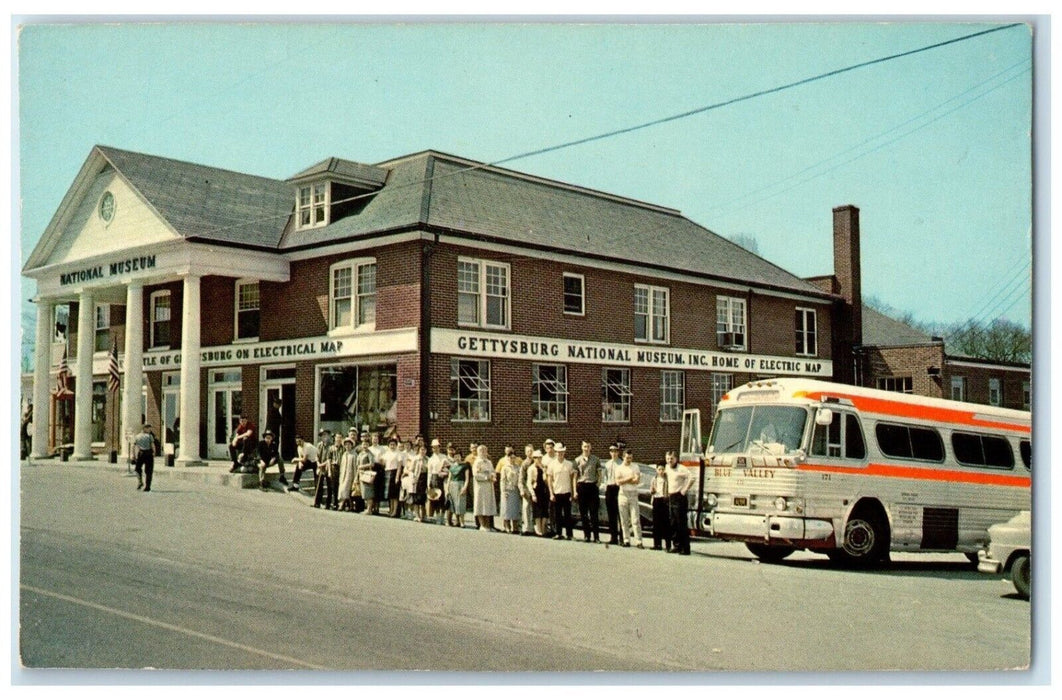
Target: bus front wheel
x=866 y=541
x=768 y=553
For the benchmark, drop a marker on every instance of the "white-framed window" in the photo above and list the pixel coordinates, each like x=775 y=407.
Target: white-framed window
x=721 y=384
x=549 y=393
x=248 y=310
x=483 y=297
x=730 y=322
x=902 y=385
x=352 y=294
x=672 y=395
x=651 y=314
x=469 y=390
x=615 y=395
x=312 y=205
x=574 y=294
x=159 y=303
x=102 y=328
x=995 y=391
x=1026 y=396
x=958 y=388
x=807 y=340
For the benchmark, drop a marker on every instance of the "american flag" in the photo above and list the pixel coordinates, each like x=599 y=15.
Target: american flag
x=114 y=379
x=61 y=379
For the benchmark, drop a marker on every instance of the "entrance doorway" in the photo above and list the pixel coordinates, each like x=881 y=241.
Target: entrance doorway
x=278 y=407
x=225 y=392
x=171 y=413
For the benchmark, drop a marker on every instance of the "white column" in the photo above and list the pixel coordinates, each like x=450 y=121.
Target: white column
x=42 y=384
x=134 y=362
x=86 y=343
x=189 y=449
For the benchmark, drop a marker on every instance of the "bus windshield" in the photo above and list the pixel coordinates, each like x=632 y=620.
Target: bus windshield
x=769 y=429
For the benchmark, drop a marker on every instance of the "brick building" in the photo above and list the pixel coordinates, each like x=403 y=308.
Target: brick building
x=427 y=294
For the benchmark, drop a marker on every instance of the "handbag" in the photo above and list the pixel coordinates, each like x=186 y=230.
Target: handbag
x=366 y=477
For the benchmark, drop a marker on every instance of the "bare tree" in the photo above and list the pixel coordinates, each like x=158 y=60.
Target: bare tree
x=1001 y=340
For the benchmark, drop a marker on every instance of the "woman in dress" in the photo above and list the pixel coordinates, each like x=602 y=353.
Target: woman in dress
x=509 y=480
x=418 y=479
x=457 y=488
x=347 y=467
x=484 y=506
x=536 y=484
x=367 y=477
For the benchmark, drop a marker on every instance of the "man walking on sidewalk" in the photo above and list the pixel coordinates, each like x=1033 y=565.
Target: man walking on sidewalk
x=144 y=444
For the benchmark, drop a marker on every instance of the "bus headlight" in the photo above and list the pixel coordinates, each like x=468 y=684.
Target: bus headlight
x=780 y=503
x=712 y=501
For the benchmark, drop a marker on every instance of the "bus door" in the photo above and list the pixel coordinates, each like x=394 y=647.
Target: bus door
x=691 y=450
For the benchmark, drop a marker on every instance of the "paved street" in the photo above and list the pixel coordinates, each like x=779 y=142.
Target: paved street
x=199 y=576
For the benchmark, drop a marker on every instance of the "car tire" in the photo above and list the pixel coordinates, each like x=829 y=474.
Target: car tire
x=1021 y=575
x=769 y=553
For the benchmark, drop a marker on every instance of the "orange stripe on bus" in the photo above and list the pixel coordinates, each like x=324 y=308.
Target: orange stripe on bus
x=924 y=473
x=931 y=413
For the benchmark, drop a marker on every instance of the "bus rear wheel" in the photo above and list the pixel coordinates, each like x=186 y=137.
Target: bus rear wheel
x=769 y=553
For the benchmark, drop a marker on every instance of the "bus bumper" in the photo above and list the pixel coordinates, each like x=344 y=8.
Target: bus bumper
x=770 y=527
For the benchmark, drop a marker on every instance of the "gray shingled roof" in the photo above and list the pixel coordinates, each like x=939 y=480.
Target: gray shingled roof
x=480 y=203
x=884 y=331
x=210 y=203
x=346 y=170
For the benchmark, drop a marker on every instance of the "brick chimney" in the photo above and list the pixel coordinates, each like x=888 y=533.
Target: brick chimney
x=848 y=329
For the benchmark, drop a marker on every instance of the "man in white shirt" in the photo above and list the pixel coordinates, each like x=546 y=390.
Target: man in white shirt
x=305 y=459
x=560 y=476
x=549 y=456
x=628 y=477
x=678 y=483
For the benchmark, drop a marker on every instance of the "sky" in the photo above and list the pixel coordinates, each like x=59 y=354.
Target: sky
x=934 y=147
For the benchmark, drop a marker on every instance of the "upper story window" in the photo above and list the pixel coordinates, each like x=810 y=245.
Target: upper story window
x=807 y=342
x=651 y=314
x=352 y=297
x=995 y=391
x=248 y=309
x=102 y=328
x=958 y=388
x=730 y=322
x=574 y=294
x=312 y=205
x=482 y=293
x=160 y=318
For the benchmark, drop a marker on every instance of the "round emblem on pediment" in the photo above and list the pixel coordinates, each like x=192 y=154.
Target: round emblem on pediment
x=106 y=208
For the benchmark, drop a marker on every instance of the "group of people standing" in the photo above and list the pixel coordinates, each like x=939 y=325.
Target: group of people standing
x=530 y=495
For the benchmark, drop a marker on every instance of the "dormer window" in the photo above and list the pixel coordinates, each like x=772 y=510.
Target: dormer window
x=313 y=205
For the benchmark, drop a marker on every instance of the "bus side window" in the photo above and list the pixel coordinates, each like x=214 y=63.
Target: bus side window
x=1026 y=453
x=854 y=445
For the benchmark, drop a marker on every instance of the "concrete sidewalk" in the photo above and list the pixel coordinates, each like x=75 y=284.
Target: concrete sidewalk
x=214 y=472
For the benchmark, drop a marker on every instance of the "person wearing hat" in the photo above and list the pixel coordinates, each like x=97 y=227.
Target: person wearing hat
x=144 y=445
x=612 y=493
x=539 y=489
x=434 y=478
x=366 y=469
x=549 y=456
x=347 y=466
x=560 y=476
x=267 y=457
x=322 y=483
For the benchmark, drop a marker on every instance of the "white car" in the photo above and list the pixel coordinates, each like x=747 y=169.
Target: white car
x=1009 y=550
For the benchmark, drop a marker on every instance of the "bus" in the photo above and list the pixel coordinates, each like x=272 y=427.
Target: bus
x=855 y=473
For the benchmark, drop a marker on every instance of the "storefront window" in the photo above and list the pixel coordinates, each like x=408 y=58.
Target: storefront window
x=358 y=396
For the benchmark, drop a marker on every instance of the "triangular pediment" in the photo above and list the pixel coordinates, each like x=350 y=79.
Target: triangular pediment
x=101 y=213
